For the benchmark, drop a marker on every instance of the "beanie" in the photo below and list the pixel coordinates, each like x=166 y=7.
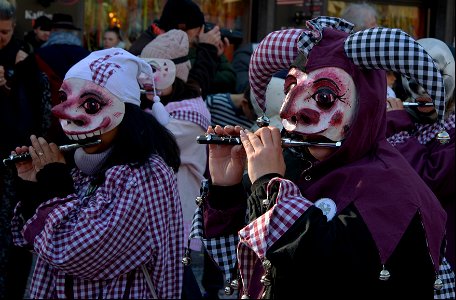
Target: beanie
x=172 y=45
x=181 y=14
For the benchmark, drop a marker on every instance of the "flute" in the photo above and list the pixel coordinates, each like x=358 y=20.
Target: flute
x=286 y=142
x=405 y=103
x=15 y=158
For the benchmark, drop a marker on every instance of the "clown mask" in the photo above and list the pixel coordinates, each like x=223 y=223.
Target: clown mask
x=164 y=72
x=319 y=106
x=87 y=109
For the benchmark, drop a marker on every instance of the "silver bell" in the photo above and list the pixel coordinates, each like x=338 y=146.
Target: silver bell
x=245 y=296
x=443 y=137
x=199 y=201
x=263 y=121
x=384 y=275
x=228 y=290
x=438 y=283
x=186 y=260
x=267 y=264
x=265 y=280
x=234 y=284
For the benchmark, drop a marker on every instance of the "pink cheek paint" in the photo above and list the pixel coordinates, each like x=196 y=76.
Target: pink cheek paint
x=336 y=119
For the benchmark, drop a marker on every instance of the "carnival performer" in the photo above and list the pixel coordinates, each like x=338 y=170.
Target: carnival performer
x=354 y=216
x=412 y=126
x=111 y=227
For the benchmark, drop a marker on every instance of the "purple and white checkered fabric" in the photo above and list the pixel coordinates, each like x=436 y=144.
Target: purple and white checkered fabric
x=102 y=70
x=193 y=110
x=393 y=49
x=134 y=218
x=425 y=132
x=261 y=234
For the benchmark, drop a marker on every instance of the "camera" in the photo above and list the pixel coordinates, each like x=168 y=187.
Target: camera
x=234 y=36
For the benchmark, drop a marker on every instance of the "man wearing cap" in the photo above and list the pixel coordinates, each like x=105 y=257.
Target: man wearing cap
x=40 y=33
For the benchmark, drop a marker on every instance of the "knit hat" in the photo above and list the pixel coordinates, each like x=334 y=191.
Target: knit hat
x=181 y=14
x=172 y=45
x=43 y=22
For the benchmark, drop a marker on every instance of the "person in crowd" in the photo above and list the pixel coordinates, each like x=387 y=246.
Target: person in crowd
x=188 y=117
x=240 y=63
x=40 y=34
x=412 y=130
x=362 y=15
x=356 y=214
x=14 y=262
x=231 y=109
x=112 y=226
x=210 y=67
x=113 y=38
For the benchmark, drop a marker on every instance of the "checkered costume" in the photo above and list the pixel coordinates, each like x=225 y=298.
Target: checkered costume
x=100 y=241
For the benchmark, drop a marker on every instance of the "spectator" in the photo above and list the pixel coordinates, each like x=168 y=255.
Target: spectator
x=240 y=63
x=40 y=33
x=231 y=109
x=356 y=214
x=14 y=262
x=117 y=213
x=113 y=38
x=412 y=130
x=362 y=15
x=390 y=82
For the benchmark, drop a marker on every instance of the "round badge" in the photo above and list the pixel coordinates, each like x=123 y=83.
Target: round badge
x=327 y=206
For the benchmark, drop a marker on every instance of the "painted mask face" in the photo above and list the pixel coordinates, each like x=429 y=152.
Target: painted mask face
x=320 y=105
x=87 y=109
x=444 y=60
x=164 y=72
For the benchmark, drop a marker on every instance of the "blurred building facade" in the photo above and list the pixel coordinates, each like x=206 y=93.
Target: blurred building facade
x=254 y=18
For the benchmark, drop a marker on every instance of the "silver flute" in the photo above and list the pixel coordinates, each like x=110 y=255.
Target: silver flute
x=15 y=158
x=286 y=142
x=405 y=103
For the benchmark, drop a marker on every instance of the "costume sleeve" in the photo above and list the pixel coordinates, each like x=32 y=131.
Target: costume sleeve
x=397 y=121
x=133 y=218
x=434 y=162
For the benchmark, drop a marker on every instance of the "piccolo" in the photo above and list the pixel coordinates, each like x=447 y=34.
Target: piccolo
x=15 y=158
x=286 y=142
x=417 y=103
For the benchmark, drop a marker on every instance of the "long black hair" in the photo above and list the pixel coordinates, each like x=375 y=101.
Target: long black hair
x=140 y=135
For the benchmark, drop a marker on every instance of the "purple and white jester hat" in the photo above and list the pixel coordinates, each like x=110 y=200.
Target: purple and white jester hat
x=375 y=48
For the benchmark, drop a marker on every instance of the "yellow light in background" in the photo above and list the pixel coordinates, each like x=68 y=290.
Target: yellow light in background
x=111 y=15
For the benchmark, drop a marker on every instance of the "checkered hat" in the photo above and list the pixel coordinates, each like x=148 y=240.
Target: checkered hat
x=374 y=48
x=117 y=70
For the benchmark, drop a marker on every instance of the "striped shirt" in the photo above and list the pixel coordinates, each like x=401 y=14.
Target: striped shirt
x=223 y=112
x=133 y=218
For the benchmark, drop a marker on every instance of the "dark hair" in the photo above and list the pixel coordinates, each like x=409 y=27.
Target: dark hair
x=116 y=30
x=246 y=95
x=141 y=135
x=182 y=91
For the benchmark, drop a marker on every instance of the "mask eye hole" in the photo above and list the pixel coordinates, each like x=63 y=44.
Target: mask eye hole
x=92 y=106
x=62 y=96
x=325 y=97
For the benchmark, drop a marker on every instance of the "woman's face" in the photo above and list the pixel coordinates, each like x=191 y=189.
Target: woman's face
x=110 y=39
x=88 y=110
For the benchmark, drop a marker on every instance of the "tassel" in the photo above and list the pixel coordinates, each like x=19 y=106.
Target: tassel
x=159 y=111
